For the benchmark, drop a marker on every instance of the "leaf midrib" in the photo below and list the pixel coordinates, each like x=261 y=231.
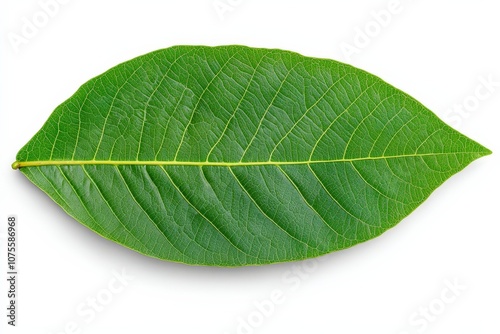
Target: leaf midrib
x=20 y=164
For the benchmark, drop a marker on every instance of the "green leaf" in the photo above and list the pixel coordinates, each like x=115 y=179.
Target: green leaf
x=233 y=156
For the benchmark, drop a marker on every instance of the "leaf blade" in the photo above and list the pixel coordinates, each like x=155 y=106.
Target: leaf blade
x=272 y=156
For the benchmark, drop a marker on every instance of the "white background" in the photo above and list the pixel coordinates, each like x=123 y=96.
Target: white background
x=437 y=52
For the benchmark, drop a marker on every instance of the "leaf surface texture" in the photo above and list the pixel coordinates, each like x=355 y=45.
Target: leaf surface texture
x=232 y=156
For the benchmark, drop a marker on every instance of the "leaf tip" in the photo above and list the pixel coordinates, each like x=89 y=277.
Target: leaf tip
x=486 y=152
